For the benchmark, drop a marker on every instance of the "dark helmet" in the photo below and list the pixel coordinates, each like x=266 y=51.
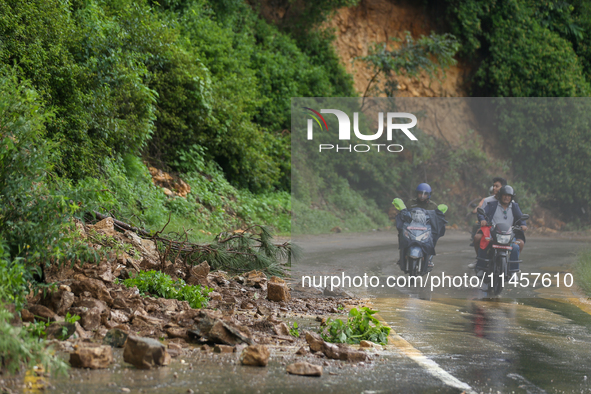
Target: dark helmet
x=424 y=188
x=507 y=190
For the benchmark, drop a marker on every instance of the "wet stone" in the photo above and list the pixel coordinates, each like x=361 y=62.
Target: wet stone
x=174 y=350
x=97 y=357
x=145 y=353
x=302 y=351
x=277 y=290
x=257 y=355
x=368 y=344
x=304 y=369
x=223 y=349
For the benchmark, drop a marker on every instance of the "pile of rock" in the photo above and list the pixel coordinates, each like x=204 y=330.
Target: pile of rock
x=248 y=308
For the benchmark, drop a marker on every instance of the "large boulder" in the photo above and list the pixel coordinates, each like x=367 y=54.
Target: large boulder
x=257 y=355
x=277 y=290
x=96 y=357
x=145 y=353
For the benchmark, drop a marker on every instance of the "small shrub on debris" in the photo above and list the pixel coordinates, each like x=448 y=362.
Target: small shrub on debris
x=360 y=326
x=159 y=284
x=20 y=349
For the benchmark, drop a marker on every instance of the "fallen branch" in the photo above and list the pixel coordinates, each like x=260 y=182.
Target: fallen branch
x=239 y=252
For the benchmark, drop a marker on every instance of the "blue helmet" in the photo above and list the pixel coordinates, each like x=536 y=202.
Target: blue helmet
x=424 y=188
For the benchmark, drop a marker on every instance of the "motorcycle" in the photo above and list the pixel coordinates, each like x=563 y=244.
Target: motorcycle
x=416 y=231
x=498 y=252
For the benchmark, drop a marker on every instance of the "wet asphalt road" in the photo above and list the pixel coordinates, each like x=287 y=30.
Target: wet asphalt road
x=527 y=340
x=449 y=340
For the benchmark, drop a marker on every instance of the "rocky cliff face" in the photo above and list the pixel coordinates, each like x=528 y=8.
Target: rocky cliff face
x=377 y=21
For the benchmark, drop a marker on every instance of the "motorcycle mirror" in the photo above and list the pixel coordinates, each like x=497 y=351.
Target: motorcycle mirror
x=480 y=210
x=398 y=204
x=442 y=208
x=525 y=216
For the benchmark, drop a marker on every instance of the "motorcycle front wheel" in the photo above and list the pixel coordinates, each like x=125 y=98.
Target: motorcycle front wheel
x=498 y=271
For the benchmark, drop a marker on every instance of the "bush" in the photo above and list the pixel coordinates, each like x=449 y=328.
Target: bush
x=360 y=326
x=159 y=284
x=13 y=282
x=32 y=212
x=519 y=46
x=20 y=349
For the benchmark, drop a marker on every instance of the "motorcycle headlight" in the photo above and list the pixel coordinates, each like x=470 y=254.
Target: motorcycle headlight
x=423 y=237
x=503 y=238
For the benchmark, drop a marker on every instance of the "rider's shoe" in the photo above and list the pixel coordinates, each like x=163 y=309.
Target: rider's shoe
x=430 y=264
x=472 y=265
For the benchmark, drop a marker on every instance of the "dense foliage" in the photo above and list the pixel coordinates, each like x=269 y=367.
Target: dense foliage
x=130 y=76
x=525 y=48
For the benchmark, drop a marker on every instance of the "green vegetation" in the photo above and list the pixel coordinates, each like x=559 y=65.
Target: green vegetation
x=523 y=48
x=155 y=283
x=20 y=349
x=430 y=54
x=360 y=326
x=582 y=271
x=294 y=331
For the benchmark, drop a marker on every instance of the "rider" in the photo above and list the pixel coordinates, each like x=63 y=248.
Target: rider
x=476 y=225
x=422 y=200
x=505 y=210
x=498 y=183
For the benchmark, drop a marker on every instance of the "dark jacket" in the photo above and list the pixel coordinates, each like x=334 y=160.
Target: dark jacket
x=436 y=222
x=491 y=207
x=416 y=203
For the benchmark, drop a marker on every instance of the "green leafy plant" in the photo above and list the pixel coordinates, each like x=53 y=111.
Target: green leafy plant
x=71 y=318
x=21 y=349
x=159 y=284
x=294 y=331
x=37 y=328
x=360 y=325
